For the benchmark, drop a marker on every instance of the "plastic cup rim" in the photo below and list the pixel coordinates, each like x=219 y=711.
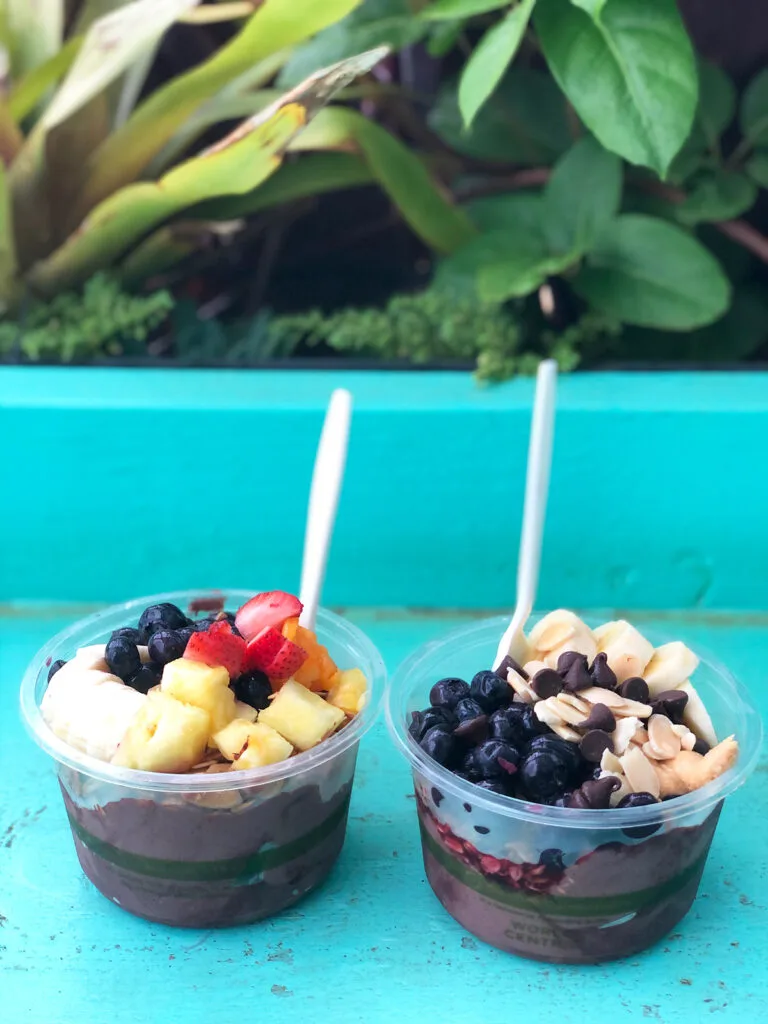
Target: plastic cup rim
x=221 y=782
x=700 y=800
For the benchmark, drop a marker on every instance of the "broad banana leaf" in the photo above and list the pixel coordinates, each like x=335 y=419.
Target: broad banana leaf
x=27 y=92
x=313 y=175
x=235 y=165
x=7 y=249
x=275 y=25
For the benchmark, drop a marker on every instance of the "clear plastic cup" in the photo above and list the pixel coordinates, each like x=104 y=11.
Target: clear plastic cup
x=558 y=884
x=199 y=850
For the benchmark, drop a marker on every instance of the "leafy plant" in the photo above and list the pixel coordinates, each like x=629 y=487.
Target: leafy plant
x=101 y=320
x=95 y=167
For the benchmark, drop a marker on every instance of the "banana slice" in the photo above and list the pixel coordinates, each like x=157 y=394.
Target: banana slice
x=627 y=650
x=558 y=632
x=671 y=665
x=695 y=716
x=640 y=773
x=92 y=657
x=88 y=708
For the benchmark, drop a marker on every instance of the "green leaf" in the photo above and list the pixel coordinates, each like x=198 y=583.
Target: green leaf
x=312 y=175
x=374 y=23
x=524 y=122
x=592 y=7
x=399 y=172
x=444 y=10
x=275 y=25
x=34 y=31
x=235 y=165
x=582 y=195
x=717 y=102
x=754 y=110
x=7 y=247
x=443 y=37
x=30 y=90
x=490 y=59
x=630 y=74
x=648 y=272
x=515 y=211
x=719 y=196
x=757 y=168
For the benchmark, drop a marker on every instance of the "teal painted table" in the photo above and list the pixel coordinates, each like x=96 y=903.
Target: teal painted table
x=373 y=945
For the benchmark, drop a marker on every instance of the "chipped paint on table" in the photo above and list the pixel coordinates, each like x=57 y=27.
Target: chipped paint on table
x=373 y=945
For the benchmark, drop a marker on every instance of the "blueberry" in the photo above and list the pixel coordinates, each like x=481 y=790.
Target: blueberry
x=122 y=656
x=438 y=743
x=130 y=633
x=446 y=693
x=145 y=678
x=516 y=724
x=185 y=633
x=489 y=691
x=544 y=775
x=492 y=760
x=467 y=710
x=637 y=800
x=429 y=718
x=701 y=747
x=552 y=859
x=567 y=752
x=166 y=645
x=161 y=616
x=253 y=688
x=55 y=668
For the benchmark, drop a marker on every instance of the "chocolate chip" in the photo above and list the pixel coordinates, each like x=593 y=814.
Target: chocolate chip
x=594 y=794
x=546 y=683
x=482 y=830
x=670 y=703
x=577 y=677
x=701 y=747
x=510 y=663
x=475 y=730
x=437 y=796
x=602 y=673
x=594 y=745
x=468 y=808
x=635 y=688
x=567 y=659
x=600 y=717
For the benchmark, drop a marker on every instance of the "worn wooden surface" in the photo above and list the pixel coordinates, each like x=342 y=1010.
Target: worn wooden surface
x=373 y=946
x=123 y=483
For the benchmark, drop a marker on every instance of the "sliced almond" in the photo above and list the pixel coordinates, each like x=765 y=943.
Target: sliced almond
x=619 y=705
x=640 y=772
x=575 y=702
x=687 y=738
x=662 y=738
x=566 y=732
x=625 y=731
x=521 y=687
x=609 y=762
x=549 y=712
x=532 y=667
x=569 y=714
x=641 y=736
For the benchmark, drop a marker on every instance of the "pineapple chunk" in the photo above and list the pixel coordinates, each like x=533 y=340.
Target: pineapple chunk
x=165 y=735
x=245 y=711
x=265 y=746
x=232 y=739
x=303 y=718
x=204 y=686
x=348 y=689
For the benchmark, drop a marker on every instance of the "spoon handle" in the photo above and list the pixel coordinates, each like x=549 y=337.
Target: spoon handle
x=535 y=506
x=327 y=479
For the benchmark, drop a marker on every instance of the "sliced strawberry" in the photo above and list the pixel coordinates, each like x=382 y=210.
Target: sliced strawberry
x=264 y=610
x=218 y=645
x=263 y=649
x=288 y=659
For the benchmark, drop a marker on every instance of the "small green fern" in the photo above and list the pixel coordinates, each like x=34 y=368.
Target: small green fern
x=101 y=320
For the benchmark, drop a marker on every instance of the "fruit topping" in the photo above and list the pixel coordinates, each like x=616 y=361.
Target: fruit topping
x=60 y=663
x=204 y=686
x=271 y=653
x=253 y=688
x=348 y=691
x=318 y=669
x=489 y=691
x=218 y=645
x=301 y=717
x=265 y=611
x=446 y=693
x=167 y=645
x=144 y=678
x=122 y=656
x=439 y=744
x=166 y=735
x=160 y=616
x=130 y=633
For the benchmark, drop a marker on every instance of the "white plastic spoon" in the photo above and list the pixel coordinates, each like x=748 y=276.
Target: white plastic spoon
x=534 y=509
x=327 y=478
